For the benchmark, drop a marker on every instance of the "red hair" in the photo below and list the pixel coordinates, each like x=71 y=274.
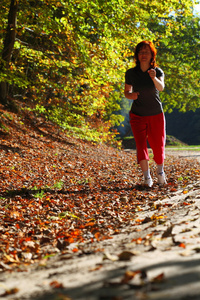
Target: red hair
x=144 y=44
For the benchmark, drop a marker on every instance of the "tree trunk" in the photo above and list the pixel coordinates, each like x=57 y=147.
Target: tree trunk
x=8 y=47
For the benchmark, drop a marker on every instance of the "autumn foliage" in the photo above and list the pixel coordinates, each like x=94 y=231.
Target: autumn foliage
x=69 y=57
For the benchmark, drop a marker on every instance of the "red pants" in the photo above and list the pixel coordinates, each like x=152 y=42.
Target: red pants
x=151 y=128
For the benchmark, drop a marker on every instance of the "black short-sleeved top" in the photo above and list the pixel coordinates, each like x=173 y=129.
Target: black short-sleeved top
x=148 y=102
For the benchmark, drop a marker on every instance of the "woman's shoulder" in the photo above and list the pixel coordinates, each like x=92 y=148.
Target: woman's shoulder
x=131 y=70
x=159 y=71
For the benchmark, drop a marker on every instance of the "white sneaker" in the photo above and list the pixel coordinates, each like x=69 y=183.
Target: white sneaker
x=148 y=181
x=161 y=178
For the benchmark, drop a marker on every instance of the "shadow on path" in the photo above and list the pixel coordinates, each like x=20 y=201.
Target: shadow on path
x=104 y=285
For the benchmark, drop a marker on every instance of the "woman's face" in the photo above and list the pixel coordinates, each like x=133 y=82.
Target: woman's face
x=144 y=55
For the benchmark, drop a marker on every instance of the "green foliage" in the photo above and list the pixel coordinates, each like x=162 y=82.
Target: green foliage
x=172 y=141
x=180 y=58
x=70 y=57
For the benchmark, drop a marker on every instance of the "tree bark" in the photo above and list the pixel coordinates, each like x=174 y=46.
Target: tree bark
x=8 y=46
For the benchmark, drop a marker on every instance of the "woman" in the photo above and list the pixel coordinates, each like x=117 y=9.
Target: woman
x=142 y=85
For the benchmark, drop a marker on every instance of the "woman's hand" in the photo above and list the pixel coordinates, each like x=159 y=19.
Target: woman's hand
x=152 y=73
x=158 y=82
x=135 y=95
x=129 y=94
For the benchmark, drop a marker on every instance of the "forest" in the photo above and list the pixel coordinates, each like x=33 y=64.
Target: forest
x=66 y=60
x=68 y=192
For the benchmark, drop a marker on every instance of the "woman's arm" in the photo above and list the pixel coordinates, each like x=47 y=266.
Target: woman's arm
x=158 y=81
x=128 y=92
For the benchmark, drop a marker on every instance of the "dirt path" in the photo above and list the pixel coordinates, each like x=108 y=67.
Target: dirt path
x=167 y=254
x=184 y=154
x=161 y=255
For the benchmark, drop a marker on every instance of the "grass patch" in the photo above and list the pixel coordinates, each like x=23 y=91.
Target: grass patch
x=183 y=147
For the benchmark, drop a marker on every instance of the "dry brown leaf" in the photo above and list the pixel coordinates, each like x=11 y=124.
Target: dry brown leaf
x=168 y=232
x=129 y=275
x=56 y=285
x=10 y=292
x=126 y=255
x=159 y=278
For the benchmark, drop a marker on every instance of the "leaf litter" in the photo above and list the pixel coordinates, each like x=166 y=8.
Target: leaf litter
x=59 y=193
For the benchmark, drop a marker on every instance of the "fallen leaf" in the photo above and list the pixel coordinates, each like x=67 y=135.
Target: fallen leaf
x=129 y=275
x=10 y=292
x=185 y=192
x=56 y=285
x=146 y=220
x=182 y=245
x=98 y=267
x=159 y=278
x=186 y=203
x=126 y=255
x=168 y=232
x=197 y=249
x=62 y=297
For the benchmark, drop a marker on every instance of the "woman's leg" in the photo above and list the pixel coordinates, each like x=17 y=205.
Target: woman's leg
x=144 y=164
x=139 y=129
x=157 y=138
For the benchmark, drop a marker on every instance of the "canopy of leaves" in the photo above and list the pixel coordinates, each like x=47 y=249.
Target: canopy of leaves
x=70 y=57
x=180 y=57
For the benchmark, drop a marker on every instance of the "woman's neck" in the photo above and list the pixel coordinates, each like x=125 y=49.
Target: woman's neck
x=144 y=67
